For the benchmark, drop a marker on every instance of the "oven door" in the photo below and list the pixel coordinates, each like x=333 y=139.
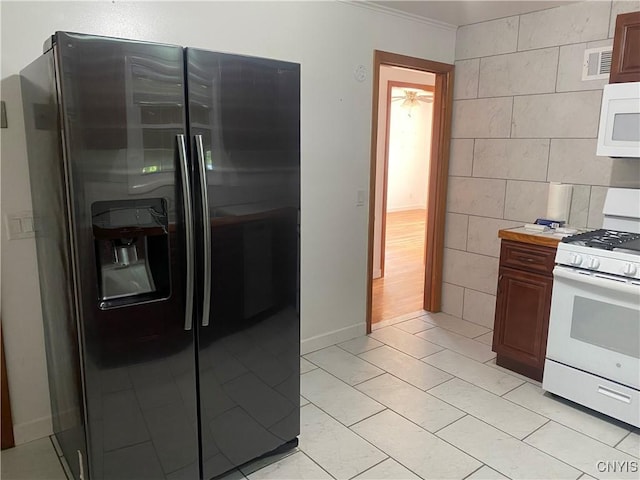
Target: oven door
x=595 y=324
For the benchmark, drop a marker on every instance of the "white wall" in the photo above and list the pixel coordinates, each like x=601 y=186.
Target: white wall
x=409 y=154
x=387 y=74
x=329 y=39
x=522 y=117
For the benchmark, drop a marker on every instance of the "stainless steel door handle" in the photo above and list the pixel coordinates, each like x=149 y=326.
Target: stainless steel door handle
x=188 y=231
x=206 y=231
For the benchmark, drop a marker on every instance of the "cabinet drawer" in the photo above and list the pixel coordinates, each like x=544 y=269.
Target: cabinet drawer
x=532 y=258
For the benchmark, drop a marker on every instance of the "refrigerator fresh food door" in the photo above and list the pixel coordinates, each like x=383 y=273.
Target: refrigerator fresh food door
x=244 y=122
x=124 y=113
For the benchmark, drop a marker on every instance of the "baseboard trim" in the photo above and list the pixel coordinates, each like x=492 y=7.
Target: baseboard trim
x=336 y=336
x=33 y=430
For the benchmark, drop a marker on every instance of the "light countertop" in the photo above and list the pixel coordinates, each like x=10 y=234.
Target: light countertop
x=521 y=234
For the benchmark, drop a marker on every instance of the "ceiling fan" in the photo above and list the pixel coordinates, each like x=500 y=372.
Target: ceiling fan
x=413 y=97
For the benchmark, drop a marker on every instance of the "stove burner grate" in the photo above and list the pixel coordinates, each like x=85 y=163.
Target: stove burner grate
x=604 y=239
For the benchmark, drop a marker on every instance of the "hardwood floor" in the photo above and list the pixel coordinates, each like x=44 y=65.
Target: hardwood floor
x=401 y=290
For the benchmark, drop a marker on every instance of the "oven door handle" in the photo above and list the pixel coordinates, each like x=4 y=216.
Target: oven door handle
x=596 y=281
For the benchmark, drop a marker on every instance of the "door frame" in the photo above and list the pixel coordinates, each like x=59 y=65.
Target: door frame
x=7 y=440
x=385 y=168
x=437 y=177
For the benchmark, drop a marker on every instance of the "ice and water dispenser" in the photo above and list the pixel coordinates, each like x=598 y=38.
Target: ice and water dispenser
x=132 y=251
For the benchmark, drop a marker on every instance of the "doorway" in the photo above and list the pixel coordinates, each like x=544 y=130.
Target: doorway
x=404 y=144
x=435 y=179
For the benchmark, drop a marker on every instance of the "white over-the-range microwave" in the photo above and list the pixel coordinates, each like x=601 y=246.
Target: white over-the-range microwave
x=619 y=132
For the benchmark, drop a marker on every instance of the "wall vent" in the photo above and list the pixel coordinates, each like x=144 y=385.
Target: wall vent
x=597 y=63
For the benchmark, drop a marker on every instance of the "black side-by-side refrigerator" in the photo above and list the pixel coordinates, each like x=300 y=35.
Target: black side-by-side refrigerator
x=166 y=196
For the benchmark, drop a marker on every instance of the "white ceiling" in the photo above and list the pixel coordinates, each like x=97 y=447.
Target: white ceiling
x=464 y=12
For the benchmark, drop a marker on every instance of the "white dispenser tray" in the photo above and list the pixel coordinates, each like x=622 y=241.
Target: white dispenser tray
x=124 y=281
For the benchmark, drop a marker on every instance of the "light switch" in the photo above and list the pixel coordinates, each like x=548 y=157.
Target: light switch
x=19 y=225
x=14 y=227
x=27 y=224
x=361 y=194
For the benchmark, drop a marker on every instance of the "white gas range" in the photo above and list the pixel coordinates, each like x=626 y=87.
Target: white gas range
x=593 y=347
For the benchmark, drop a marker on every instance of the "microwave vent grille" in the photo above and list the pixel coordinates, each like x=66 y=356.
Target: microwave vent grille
x=597 y=63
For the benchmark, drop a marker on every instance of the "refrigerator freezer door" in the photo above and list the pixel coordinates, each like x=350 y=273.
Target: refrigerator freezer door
x=55 y=271
x=245 y=113
x=123 y=106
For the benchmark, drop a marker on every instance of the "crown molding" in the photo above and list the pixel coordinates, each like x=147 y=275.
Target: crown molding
x=397 y=13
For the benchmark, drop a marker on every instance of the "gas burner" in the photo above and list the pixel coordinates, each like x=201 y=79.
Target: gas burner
x=603 y=239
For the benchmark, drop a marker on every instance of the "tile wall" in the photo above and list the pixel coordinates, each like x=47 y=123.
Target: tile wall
x=523 y=117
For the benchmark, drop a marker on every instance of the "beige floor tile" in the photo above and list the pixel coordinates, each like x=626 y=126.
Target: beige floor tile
x=569 y=414
x=458 y=343
x=414 y=325
x=412 y=403
x=455 y=324
x=306 y=366
x=492 y=409
x=388 y=470
x=344 y=365
x=405 y=342
x=341 y=452
x=502 y=452
x=485 y=473
x=294 y=467
x=415 y=448
x=341 y=401
x=360 y=345
x=492 y=363
x=630 y=444
x=35 y=460
x=582 y=452
x=398 y=319
x=473 y=372
x=406 y=368
x=486 y=338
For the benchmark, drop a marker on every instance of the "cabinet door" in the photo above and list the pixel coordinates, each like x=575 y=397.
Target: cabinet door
x=522 y=314
x=625 y=61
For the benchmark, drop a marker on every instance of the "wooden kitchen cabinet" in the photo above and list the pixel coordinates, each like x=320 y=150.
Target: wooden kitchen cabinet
x=625 y=61
x=523 y=303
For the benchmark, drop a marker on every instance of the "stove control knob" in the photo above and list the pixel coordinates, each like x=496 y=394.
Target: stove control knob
x=575 y=259
x=629 y=269
x=594 y=263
